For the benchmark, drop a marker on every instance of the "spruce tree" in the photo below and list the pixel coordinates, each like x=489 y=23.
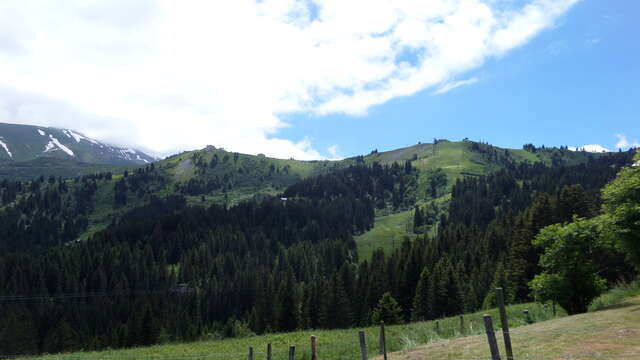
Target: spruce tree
x=387 y=310
x=420 y=310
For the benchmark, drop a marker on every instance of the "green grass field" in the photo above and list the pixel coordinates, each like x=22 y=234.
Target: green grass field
x=387 y=234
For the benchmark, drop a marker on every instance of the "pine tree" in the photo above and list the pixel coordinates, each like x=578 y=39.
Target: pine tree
x=420 y=309
x=387 y=310
x=286 y=305
x=417 y=219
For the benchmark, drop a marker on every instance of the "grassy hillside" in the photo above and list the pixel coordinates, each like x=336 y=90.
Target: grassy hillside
x=214 y=175
x=241 y=176
x=389 y=231
x=387 y=234
x=456 y=160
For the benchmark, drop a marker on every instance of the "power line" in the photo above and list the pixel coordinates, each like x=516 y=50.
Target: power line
x=8 y=298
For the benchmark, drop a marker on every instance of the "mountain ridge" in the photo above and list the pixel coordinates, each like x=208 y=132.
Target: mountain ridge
x=20 y=143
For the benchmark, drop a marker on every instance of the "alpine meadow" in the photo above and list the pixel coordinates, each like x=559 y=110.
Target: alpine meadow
x=312 y=179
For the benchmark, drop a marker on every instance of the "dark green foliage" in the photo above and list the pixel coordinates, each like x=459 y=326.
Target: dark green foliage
x=286 y=308
x=391 y=186
x=172 y=272
x=437 y=183
x=421 y=305
x=621 y=209
x=60 y=337
x=570 y=271
x=18 y=334
x=38 y=215
x=335 y=305
x=387 y=310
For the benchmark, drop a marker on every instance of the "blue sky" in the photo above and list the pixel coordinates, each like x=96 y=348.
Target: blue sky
x=313 y=79
x=576 y=83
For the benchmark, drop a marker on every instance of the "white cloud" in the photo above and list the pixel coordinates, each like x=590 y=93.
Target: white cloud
x=450 y=86
x=170 y=75
x=624 y=143
x=593 y=148
x=333 y=151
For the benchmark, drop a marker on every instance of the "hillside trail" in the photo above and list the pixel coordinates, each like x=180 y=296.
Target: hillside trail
x=613 y=333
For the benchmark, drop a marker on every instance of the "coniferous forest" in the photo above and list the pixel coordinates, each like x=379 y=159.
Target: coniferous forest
x=170 y=271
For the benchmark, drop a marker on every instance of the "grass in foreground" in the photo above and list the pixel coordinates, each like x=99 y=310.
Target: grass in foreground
x=609 y=334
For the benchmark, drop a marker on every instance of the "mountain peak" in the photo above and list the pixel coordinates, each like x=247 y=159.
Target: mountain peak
x=27 y=142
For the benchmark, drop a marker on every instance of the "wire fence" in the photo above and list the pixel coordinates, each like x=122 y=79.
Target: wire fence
x=431 y=349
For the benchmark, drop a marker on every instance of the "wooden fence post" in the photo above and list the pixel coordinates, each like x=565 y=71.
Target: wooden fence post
x=292 y=353
x=269 y=354
x=363 y=345
x=314 y=348
x=505 y=323
x=491 y=338
x=383 y=341
x=437 y=327
x=250 y=352
x=462 y=330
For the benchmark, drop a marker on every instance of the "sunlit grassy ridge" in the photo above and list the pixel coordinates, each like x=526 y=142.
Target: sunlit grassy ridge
x=387 y=234
x=249 y=176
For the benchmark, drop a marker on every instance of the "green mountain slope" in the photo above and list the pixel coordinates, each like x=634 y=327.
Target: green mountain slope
x=454 y=160
x=45 y=166
x=213 y=175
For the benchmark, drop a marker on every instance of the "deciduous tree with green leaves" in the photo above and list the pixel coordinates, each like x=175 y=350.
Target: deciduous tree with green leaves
x=621 y=210
x=570 y=276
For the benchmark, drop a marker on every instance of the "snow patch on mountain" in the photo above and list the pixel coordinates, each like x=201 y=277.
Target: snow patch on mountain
x=79 y=137
x=126 y=154
x=41 y=132
x=6 y=148
x=53 y=143
x=50 y=146
x=592 y=148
